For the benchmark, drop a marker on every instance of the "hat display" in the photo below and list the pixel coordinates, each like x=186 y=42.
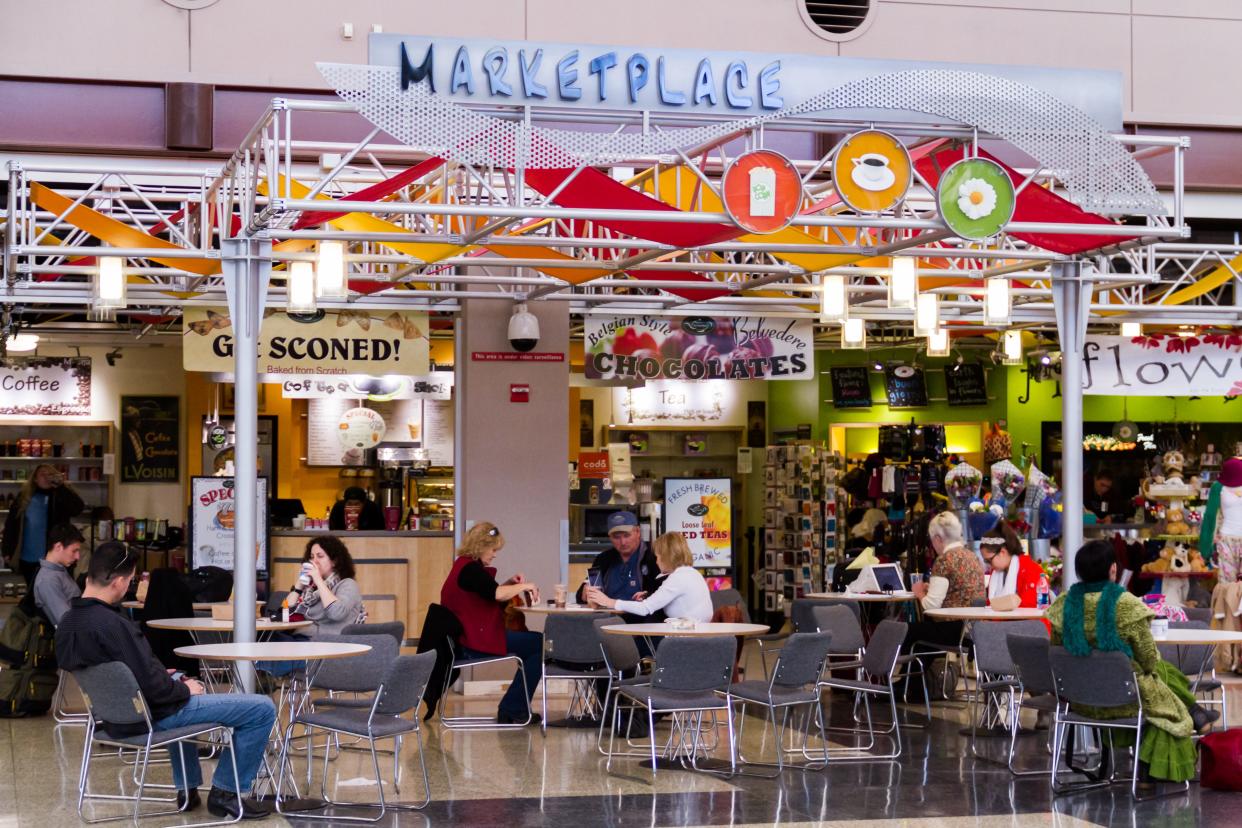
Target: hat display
x=1231 y=472
x=621 y=520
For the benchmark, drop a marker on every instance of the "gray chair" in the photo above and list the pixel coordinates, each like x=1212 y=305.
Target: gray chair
x=460 y=661
x=113 y=700
x=997 y=686
x=692 y=675
x=1029 y=654
x=794 y=683
x=274 y=600
x=357 y=675
x=624 y=666
x=876 y=670
x=400 y=692
x=1196 y=661
x=765 y=643
x=394 y=628
x=1203 y=614
x=1100 y=680
x=571 y=650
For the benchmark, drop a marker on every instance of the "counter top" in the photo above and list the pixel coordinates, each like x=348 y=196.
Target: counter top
x=381 y=533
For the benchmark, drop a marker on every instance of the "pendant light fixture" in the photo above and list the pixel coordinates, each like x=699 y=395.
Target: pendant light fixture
x=330 y=280
x=853 y=334
x=1011 y=347
x=109 y=288
x=903 y=284
x=300 y=288
x=1131 y=329
x=926 y=314
x=832 y=304
x=997 y=301
x=938 y=343
x=21 y=343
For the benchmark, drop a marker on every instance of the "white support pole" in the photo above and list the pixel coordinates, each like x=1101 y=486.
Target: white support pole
x=1072 y=298
x=247 y=265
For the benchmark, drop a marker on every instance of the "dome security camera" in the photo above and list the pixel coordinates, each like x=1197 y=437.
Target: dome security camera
x=523 y=329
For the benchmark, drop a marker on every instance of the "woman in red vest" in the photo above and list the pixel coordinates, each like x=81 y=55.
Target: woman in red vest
x=472 y=593
x=1012 y=573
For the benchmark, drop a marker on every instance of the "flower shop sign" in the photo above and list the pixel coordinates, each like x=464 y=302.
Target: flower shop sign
x=698 y=347
x=46 y=387
x=1158 y=365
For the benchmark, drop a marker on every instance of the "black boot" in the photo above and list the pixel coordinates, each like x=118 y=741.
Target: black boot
x=222 y=803
x=195 y=801
x=1203 y=718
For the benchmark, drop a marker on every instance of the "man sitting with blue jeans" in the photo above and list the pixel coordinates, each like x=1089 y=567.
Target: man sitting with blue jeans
x=94 y=632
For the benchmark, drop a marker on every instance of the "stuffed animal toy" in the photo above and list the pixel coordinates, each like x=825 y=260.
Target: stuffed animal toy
x=1175 y=523
x=1160 y=564
x=1174 y=463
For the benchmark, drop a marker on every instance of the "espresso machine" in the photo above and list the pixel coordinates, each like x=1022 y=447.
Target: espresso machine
x=398 y=467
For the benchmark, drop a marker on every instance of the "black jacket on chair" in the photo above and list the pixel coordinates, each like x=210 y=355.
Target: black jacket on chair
x=440 y=629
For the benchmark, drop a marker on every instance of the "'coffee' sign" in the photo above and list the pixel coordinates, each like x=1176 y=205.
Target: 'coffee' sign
x=334 y=343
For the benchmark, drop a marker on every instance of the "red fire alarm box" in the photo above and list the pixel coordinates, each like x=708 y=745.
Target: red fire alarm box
x=519 y=392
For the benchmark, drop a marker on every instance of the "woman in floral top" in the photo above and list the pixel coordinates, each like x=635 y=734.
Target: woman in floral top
x=956 y=581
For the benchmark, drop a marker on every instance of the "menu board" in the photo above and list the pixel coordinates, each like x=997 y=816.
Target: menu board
x=702 y=510
x=323 y=424
x=906 y=387
x=212 y=515
x=438 y=431
x=404 y=419
x=966 y=384
x=851 y=388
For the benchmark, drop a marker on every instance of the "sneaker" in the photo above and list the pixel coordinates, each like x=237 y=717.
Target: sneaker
x=222 y=803
x=508 y=718
x=194 y=803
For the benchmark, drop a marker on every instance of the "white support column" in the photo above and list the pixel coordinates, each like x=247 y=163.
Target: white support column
x=1072 y=299
x=247 y=267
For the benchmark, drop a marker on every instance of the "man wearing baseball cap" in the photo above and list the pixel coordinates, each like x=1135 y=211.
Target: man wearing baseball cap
x=628 y=570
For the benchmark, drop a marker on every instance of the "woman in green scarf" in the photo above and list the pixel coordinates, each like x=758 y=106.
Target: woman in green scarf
x=1098 y=614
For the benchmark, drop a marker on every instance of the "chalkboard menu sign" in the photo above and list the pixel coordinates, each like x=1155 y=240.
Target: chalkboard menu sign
x=851 y=388
x=906 y=387
x=966 y=384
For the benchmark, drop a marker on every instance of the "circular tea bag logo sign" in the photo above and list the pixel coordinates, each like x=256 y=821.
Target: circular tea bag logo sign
x=762 y=191
x=976 y=198
x=360 y=429
x=872 y=171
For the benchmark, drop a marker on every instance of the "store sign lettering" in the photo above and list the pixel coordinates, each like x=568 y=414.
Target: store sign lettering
x=1159 y=366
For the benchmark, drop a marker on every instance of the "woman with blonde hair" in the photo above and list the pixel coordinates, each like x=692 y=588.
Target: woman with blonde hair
x=684 y=593
x=472 y=593
x=45 y=501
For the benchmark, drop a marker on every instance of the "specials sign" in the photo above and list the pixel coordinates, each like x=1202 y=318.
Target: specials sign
x=698 y=347
x=702 y=510
x=213 y=514
x=1158 y=365
x=325 y=342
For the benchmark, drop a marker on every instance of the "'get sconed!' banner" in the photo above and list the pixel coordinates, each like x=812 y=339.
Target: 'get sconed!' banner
x=698 y=347
x=326 y=342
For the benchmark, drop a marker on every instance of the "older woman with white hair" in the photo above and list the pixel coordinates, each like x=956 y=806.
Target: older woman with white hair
x=956 y=581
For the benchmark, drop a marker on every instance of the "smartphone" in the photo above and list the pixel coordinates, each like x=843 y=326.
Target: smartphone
x=178 y=676
x=593 y=578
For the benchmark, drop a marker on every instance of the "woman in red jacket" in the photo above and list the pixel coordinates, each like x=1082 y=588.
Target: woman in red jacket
x=1011 y=571
x=472 y=593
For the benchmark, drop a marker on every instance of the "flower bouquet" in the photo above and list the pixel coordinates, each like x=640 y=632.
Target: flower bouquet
x=1051 y=514
x=1008 y=481
x=963 y=483
x=981 y=519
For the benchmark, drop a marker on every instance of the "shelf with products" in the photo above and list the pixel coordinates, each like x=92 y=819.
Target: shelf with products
x=802 y=533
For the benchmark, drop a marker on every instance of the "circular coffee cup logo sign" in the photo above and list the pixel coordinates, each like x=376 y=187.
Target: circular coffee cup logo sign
x=976 y=198
x=872 y=171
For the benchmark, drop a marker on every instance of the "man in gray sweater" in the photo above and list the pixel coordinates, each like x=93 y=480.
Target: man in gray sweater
x=54 y=588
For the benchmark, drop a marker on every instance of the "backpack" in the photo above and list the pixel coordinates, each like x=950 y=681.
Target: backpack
x=26 y=691
x=210 y=584
x=1221 y=753
x=28 y=645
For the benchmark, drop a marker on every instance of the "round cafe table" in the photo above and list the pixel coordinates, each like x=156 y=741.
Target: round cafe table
x=864 y=597
x=983 y=614
x=201 y=606
x=568 y=609
x=198 y=626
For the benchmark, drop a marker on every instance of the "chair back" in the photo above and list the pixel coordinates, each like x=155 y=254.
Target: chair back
x=1203 y=614
x=730 y=598
x=802 y=611
x=884 y=647
x=843 y=624
x=274 y=599
x=394 y=628
x=405 y=681
x=1191 y=659
x=801 y=661
x=620 y=651
x=1101 y=679
x=112 y=695
x=695 y=664
x=572 y=639
x=357 y=674
x=992 y=644
x=1030 y=656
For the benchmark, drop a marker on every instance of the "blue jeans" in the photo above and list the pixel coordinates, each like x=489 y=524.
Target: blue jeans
x=250 y=716
x=527 y=646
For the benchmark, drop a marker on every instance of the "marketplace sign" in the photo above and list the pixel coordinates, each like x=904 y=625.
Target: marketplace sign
x=46 y=387
x=1159 y=365
x=701 y=509
x=341 y=342
x=591 y=76
x=698 y=347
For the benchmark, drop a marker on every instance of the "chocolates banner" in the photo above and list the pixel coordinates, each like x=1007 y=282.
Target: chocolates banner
x=340 y=342
x=698 y=347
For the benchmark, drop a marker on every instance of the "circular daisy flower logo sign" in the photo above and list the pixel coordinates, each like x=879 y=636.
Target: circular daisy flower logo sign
x=976 y=198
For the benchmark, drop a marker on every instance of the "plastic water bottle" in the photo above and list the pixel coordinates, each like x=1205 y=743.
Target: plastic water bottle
x=1043 y=594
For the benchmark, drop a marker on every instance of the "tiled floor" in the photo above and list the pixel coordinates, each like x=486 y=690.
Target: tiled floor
x=521 y=778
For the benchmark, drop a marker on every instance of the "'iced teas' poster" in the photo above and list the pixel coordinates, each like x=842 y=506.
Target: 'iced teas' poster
x=702 y=510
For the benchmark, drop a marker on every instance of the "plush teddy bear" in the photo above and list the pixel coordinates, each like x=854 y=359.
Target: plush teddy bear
x=1175 y=523
x=1160 y=564
x=1174 y=463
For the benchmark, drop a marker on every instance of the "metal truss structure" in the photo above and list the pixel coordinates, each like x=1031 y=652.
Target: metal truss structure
x=426 y=231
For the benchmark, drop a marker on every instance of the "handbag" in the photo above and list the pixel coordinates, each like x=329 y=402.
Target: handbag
x=1221 y=765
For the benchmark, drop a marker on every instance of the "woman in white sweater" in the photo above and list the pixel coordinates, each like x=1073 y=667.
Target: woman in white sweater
x=684 y=593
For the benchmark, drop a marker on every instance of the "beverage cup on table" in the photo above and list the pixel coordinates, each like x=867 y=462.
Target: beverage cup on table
x=1159 y=627
x=559 y=596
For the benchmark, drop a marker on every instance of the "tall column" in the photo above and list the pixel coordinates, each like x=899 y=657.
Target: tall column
x=1071 y=295
x=247 y=266
x=511 y=456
